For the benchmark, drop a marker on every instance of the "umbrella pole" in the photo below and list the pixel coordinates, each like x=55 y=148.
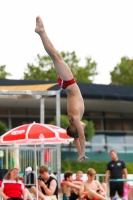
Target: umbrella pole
x=36 y=173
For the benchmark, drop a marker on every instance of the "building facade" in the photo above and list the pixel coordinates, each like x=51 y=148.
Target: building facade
x=110 y=107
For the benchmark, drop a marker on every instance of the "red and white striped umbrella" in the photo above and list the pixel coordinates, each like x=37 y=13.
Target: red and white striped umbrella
x=35 y=133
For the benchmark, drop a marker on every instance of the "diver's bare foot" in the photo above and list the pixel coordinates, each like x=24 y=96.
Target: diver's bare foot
x=81 y=158
x=39 y=25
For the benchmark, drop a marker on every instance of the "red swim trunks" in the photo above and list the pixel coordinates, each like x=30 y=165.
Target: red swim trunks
x=65 y=84
x=86 y=197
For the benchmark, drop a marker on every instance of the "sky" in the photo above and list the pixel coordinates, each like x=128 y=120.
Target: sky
x=101 y=29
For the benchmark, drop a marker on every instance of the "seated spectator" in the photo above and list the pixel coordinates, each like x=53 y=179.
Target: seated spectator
x=69 y=188
x=47 y=185
x=11 y=187
x=92 y=189
x=79 y=175
x=61 y=183
x=105 y=187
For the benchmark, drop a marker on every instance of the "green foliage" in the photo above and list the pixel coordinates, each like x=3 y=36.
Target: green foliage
x=123 y=72
x=129 y=167
x=3 y=128
x=3 y=73
x=9 y=160
x=100 y=167
x=89 y=129
x=74 y=166
x=44 y=68
x=63 y=120
x=84 y=73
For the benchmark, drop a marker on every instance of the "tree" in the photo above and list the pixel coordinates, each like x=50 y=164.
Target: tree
x=3 y=73
x=123 y=72
x=3 y=128
x=63 y=121
x=44 y=68
x=89 y=129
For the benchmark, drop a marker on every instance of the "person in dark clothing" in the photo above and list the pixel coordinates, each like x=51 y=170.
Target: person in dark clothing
x=116 y=169
x=48 y=187
x=29 y=177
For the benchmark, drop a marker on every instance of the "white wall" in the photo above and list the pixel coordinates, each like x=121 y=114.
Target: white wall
x=130 y=176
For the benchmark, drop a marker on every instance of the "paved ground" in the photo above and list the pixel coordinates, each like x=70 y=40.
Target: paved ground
x=60 y=196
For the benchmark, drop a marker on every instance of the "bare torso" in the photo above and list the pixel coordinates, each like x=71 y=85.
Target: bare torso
x=93 y=185
x=75 y=103
x=68 y=190
x=92 y=189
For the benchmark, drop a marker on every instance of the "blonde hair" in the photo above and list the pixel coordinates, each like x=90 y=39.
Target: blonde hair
x=79 y=172
x=91 y=171
x=8 y=174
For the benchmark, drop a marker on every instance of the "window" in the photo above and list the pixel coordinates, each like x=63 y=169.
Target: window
x=3 y=111
x=129 y=142
x=97 y=124
x=95 y=114
x=98 y=143
x=127 y=116
x=16 y=111
x=127 y=124
x=115 y=142
x=33 y=112
x=112 y=115
x=113 y=124
x=21 y=121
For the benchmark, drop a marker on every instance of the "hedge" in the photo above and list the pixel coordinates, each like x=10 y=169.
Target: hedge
x=100 y=167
